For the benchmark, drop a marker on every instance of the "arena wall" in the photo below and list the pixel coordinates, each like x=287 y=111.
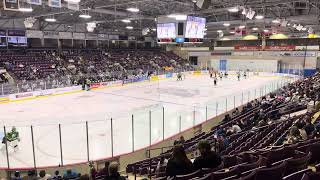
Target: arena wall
x=288 y=61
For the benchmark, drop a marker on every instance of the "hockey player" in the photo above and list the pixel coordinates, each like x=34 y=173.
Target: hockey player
x=12 y=139
x=238 y=75
x=245 y=75
x=88 y=82
x=220 y=75
x=179 y=76
x=215 y=81
x=226 y=74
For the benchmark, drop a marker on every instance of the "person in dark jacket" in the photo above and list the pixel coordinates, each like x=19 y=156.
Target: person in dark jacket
x=105 y=171
x=208 y=158
x=113 y=172
x=178 y=164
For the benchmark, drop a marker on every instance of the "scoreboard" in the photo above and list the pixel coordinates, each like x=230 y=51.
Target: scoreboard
x=172 y=31
x=13 y=38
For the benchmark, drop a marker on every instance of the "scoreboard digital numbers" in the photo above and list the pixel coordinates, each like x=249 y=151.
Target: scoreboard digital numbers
x=195 y=27
x=166 y=30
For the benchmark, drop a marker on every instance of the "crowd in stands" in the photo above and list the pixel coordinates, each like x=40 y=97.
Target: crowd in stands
x=115 y=64
x=109 y=172
x=258 y=141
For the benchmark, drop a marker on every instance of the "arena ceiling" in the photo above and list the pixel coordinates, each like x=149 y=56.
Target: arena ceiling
x=109 y=13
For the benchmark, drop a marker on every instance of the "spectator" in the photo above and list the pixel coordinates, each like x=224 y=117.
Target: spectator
x=17 y=176
x=227 y=118
x=180 y=141
x=105 y=171
x=302 y=131
x=178 y=164
x=43 y=175
x=222 y=142
x=32 y=175
x=236 y=128
x=56 y=176
x=235 y=112
x=70 y=175
x=208 y=158
x=309 y=128
x=294 y=135
x=93 y=173
x=113 y=172
x=162 y=163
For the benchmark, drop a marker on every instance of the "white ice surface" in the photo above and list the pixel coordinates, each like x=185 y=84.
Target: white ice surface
x=185 y=100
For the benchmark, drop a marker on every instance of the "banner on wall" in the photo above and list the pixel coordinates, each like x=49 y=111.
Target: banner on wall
x=54 y=3
x=280 y=48
x=35 y=2
x=73 y=6
x=81 y=36
x=103 y=36
x=248 y=48
x=51 y=34
x=65 y=35
x=11 y=5
x=268 y=48
x=34 y=34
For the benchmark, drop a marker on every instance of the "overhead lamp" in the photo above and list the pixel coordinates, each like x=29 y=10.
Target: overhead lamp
x=126 y=20
x=133 y=10
x=259 y=17
x=129 y=27
x=25 y=9
x=276 y=21
x=50 y=19
x=242 y=26
x=154 y=29
x=232 y=32
x=179 y=17
x=73 y=1
x=85 y=16
x=233 y=10
x=219 y=31
x=265 y=30
x=226 y=24
x=255 y=29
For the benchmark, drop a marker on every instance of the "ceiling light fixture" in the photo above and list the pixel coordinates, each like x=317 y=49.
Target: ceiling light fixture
x=265 y=30
x=219 y=31
x=133 y=10
x=126 y=20
x=233 y=10
x=276 y=21
x=226 y=24
x=179 y=17
x=25 y=9
x=50 y=19
x=255 y=29
x=73 y=1
x=129 y=27
x=85 y=16
x=242 y=26
x=259 y=17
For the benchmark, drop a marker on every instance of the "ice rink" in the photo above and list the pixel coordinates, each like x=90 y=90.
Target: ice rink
x=134 y=108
